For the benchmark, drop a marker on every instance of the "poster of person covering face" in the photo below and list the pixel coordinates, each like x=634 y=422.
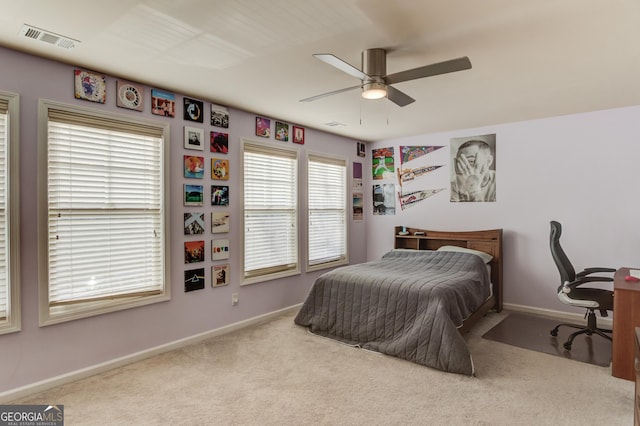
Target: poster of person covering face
x=473 y=169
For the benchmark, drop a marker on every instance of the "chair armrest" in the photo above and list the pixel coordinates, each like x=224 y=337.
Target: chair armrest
x=578 y=282
x=588 y=271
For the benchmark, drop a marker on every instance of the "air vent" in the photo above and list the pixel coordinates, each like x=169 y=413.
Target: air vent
x=48 y=37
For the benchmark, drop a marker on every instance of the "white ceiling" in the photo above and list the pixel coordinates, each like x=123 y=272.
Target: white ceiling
x=531 y=59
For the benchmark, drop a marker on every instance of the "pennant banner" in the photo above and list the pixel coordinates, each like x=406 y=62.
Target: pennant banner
x=408 y=153
x=412 y=198
x=407 y=175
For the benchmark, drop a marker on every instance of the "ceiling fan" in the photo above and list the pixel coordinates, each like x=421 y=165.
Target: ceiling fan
x=375 y=82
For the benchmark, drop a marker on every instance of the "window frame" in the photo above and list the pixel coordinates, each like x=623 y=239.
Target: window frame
x=337 y=262
x=267 y=276
x=12 y=323
x=98 y=307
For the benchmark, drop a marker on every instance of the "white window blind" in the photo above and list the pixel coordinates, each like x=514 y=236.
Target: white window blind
x=105 y=209
x=270 y=210
x=5 y=281
x=327 y=221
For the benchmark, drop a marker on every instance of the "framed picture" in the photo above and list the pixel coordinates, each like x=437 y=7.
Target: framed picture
x=194 y=279
x=219 y=195
x=193 y=138
x=361 y=149
x=193 y=110
x=219 y=222
x=220 y=142
x=193 y=251
x=220 y=249
x=219 y=116
x=298 y=135
x=219 y=275
x=282 y=131
x=193 y=195
x=130 y=95
x=263 y=127
x=193 y=167
x=90 y=86
x=382 y=163
x=219 y=169
x=193 y=223
x=163 y=103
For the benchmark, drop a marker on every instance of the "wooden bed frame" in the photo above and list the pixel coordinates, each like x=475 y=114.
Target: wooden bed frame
x=489 y=241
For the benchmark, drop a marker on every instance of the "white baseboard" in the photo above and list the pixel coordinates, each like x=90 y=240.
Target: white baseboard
x=44 y=385
x=559 y=315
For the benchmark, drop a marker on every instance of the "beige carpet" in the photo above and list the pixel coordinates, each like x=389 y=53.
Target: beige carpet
x=276 y=373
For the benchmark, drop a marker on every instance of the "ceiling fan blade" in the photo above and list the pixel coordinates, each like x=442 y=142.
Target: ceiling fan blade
x=336 y=62
x=452 y=65
x=399 y=98
x=335 y=92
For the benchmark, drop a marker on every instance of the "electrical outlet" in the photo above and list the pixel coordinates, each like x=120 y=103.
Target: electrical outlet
x=234 y=299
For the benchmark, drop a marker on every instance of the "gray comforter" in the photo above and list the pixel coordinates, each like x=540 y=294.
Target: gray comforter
x=408 y=305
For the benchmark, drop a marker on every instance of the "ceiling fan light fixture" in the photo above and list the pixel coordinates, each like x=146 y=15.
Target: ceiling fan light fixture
x=374 y=90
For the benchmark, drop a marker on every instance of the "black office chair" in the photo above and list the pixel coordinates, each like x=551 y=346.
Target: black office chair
x=571 y=293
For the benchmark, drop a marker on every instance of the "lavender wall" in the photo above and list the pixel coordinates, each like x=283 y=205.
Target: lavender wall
x=36 y=354
x=582 y=170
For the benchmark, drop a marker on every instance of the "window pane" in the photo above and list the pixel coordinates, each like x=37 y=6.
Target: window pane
x=4 y=240
x=105 y=217
x=270 y=210
x=327 y=227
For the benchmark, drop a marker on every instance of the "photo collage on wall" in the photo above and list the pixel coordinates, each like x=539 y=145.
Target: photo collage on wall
x=197 y=135
x=283 y=132
x=472 y=173
x=198 y=138
x=382 y=169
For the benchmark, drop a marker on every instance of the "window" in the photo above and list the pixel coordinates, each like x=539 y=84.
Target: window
x=270 y=212
x=9 y=209
x=327 y=219
x=104 y=219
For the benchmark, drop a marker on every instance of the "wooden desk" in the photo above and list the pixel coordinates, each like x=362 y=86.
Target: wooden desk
x=636 y=403
x=626 y=316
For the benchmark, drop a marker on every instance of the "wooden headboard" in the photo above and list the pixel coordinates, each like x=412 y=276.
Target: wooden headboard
x=489 y=241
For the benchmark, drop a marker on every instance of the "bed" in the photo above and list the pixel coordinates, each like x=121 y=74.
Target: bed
x=416 y=301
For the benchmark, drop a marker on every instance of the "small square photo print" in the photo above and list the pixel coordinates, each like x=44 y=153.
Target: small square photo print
x=263 y=127
x=219 y=195
x=219 y=249
x=219 y=169
x=193 y=167
x=220 y=275
x=219 y=222
x=282 y=131
x=220 y=142
x=298 y=135
x=193 y=110
x=194 y=279
x=193 y=223
x=130 y=95
x=163 y=103
x=219 y=116
x=193 y=195
x=90 y=86
x=193 y=138
x=193 y=251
